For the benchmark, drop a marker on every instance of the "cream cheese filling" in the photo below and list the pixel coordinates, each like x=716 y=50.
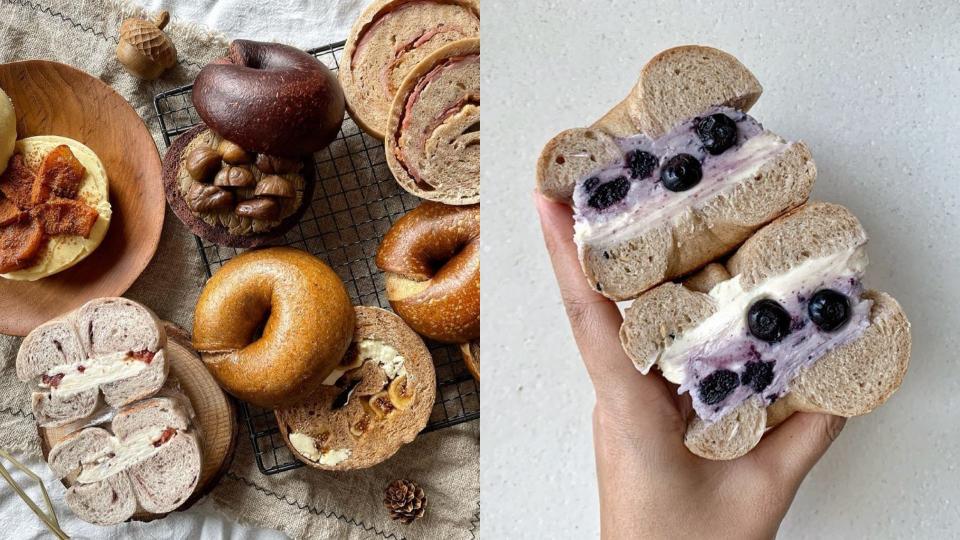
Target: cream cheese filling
x=733 y=301
x=389 y=359
x=307 y=447
x=121 y=455
x=93 y=372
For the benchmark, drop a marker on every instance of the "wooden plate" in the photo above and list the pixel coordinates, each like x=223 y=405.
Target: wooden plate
x=215 y=416
x=55 y=99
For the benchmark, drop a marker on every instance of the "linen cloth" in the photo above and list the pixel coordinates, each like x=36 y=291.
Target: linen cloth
x=301 y=503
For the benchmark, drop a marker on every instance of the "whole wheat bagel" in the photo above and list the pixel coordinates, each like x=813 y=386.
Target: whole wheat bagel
x=271 y=325
x=431 y=257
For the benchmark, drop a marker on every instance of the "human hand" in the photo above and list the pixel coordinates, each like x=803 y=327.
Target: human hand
x=650 y=485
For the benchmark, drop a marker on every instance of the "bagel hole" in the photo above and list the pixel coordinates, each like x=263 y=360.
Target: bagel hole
x=261 y=326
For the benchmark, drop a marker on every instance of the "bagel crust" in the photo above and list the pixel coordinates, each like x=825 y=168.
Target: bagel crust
x=431 y=257
x=306 y=318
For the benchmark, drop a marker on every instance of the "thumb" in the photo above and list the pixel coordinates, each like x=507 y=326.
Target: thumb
x=794 y=447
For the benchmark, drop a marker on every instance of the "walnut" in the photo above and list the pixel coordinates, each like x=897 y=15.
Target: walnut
x=278 y=165
x=205 y=198
x=201 y=163
x=234 y=176
x=259 y=208
x=275 y=186
x=233 y=153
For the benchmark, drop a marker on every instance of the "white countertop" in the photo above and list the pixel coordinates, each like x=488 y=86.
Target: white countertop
x=875 y=92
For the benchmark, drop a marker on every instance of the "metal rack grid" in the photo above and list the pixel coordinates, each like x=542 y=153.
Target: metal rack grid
x=355 y=201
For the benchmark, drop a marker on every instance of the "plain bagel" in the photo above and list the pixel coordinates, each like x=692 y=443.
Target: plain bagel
x=271 y=325
x=270 y=98
x=431 y=257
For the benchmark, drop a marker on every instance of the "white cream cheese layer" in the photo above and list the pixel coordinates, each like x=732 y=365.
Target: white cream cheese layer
x=93 y=372
x=307 y=447
x=389 y=359
x=733 y=302
x=119 y=456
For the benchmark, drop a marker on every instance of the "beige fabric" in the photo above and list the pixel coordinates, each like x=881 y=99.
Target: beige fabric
x=302 y=503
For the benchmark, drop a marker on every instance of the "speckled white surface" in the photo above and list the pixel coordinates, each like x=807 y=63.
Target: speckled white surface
x=874 y=89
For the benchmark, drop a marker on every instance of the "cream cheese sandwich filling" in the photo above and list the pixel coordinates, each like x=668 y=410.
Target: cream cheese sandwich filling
x=723 y=342
x=307 y=447
x=370 y=350
x=89 y=374
x=645 y=201
x=119 y=455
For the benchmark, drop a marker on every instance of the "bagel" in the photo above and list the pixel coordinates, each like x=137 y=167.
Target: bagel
x=387 y=41
x=380 y=398
x=270 y=98
x=271 y=325
x=431 y=258
x=433 y=133
x=471 y=357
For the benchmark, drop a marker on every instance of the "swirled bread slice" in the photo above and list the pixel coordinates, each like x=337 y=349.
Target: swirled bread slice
x=387 y=41
x=378 y=400
x=433 y=133
x=151 y=461
x=634 y=232
x=109 y=345
x=699 y=333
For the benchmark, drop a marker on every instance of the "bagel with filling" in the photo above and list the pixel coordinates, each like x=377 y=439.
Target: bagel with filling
x=272 y=324
x=54 y=207
x=109 y=346
x=387 y=41
x=675 y=175
x=149 y=459
x=784 y=325
x=378 y=399
x=471 y=357
x=431 y=259
x=433 y=132
x=246 y=175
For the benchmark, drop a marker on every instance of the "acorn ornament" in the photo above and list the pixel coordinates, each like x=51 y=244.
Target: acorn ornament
x=144 y=50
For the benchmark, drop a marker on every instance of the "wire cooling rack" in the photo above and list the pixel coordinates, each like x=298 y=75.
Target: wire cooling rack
x=355 y=201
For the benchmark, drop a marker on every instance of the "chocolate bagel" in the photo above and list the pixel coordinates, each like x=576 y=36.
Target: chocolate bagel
x=270 y=98
x=431 y=257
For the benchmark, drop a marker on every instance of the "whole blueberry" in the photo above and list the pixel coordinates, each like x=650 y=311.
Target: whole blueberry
x=829 y=309
x=641 y=164
x=681 y=172
x=610 y=193
x=758 y=375
x=715 y=387
x=717 y=132
x=768 y=320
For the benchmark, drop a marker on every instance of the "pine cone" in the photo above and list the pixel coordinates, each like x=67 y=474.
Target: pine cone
x=405 y=500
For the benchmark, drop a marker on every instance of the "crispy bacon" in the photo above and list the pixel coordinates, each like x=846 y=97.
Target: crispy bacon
x=64 y=216
x=60 y=174
x=17 y=182
x=52 y=381
x=143 y=356
x=164 y=437
x=20 y=243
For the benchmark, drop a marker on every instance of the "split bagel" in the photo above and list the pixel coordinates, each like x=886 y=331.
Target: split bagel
x=431 y=257
x=306 y=318
x=270 y=98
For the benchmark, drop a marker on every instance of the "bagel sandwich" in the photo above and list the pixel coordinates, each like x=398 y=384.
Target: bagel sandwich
x=675 y=175
x=246 y=174
x=431 y=260
x=784 y=325
x=108 y=346
x=387 y=42
x=379 y=398
x=471 y=357
x=54 y=208
x=272 y=324
x=149 y=460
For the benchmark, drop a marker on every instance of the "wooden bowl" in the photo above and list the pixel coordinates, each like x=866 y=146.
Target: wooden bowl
x=216 y=418
x=56 y=99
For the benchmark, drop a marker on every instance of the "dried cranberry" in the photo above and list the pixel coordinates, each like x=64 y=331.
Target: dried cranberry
x=52 y=380
x=145 y=355
x=165 y=436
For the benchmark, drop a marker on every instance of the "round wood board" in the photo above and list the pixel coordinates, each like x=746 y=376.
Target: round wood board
x=56 y=99
x=215 y=418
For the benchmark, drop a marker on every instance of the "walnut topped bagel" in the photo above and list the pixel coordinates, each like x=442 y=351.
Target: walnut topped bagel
x=378 y=399
x=431 y=257
x=272 y=324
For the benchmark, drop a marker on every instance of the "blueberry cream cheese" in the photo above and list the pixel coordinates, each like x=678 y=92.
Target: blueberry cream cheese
x=659 y=179
x=757 y=341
